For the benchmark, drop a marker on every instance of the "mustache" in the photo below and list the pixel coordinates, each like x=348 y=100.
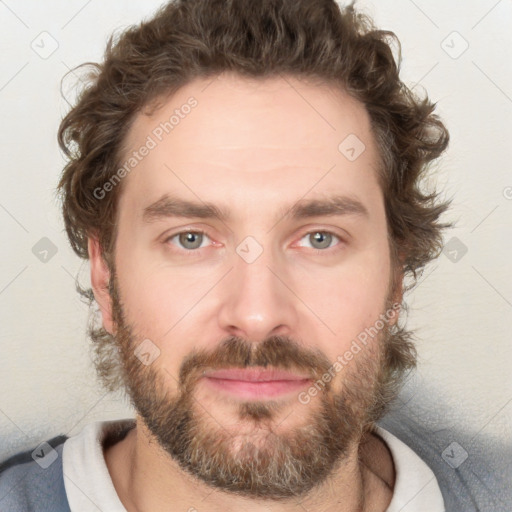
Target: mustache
x=279 y=352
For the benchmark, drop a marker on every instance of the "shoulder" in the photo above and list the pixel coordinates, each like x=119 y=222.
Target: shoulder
x=32 y=480
x=473 y=474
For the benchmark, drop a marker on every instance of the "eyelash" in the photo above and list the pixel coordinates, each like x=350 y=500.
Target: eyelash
x=328 y=250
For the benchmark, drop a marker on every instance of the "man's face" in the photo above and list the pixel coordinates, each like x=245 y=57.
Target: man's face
x=270 y=285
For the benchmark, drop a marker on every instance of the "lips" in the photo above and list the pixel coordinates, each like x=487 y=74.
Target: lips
x=255 y=375
x=254 y=383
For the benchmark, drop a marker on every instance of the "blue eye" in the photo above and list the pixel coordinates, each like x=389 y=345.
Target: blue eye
x=189 y=240
x=321 y=240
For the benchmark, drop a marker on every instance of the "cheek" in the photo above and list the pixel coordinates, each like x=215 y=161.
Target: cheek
x=152 y=303
x=160 y=300
x=347 y=299
x=145 y=294
x=350 y=302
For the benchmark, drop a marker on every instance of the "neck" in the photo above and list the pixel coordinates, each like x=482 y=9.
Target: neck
x=147 y=478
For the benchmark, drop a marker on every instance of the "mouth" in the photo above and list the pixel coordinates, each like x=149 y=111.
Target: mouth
x=255 y=382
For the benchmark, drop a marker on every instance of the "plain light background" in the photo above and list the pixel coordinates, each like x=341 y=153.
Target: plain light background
x=462 y=310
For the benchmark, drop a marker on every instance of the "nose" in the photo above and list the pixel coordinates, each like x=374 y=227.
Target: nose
x=256 y=300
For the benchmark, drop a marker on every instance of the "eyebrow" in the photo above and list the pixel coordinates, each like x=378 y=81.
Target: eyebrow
x=168 y=206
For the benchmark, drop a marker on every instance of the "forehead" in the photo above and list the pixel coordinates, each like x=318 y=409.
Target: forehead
x=274 y=137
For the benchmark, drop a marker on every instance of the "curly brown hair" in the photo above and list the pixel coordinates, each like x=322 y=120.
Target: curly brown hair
x=314 y=40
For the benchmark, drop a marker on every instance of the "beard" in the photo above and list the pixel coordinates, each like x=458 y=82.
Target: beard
x=255 y=457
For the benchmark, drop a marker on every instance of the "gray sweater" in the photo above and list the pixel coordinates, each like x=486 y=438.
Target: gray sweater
x=26 y=486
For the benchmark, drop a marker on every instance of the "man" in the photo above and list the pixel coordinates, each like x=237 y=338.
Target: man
x=244 y=178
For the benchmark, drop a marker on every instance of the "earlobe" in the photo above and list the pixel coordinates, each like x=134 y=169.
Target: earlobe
x=100 y=278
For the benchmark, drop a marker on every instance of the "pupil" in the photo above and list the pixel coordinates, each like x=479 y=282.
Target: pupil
x=323 y=239
x=188 y=238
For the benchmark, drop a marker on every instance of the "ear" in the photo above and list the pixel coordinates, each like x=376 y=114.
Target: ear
x=100 y=278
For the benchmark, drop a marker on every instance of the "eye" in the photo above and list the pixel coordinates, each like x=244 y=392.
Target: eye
x=193 y=240
x=189 y=240
x=320 y=240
